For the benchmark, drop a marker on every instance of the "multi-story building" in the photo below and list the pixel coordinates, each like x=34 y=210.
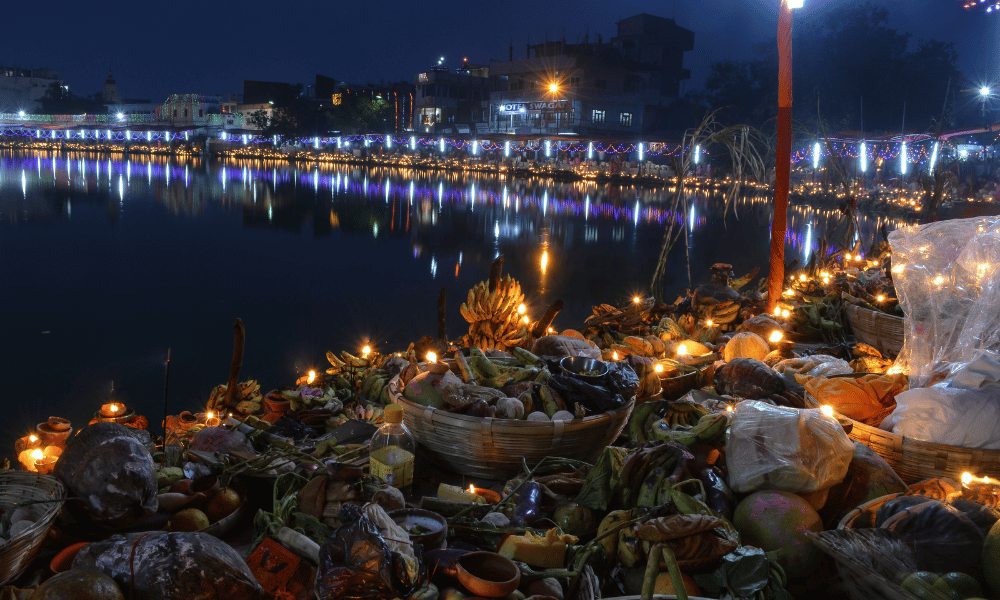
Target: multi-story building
x=619 y=87
x=21 y=89
x=452 y=101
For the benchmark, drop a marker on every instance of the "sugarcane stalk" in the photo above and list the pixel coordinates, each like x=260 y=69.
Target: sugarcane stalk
x=550 y=314
x=234 y=367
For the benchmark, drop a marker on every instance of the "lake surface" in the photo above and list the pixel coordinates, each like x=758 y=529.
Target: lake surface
x=107 y=263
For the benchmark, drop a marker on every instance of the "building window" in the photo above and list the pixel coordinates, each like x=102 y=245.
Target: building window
x=626 y=119
x=601 y=84
x=175 y=113
x=574 y=81
x=185 y=113
x=474 y=116
x=200 y=112
x=597 y=116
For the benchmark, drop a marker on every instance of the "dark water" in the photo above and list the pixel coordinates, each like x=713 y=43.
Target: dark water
x=106 y=264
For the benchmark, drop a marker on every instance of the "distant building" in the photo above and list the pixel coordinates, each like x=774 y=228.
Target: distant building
x=192 y=110
x=110 y=92
x=452 y=101
x=624 y=86
x=21 y=89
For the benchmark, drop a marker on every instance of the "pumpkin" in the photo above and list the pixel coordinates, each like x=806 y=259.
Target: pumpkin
x=745 y=345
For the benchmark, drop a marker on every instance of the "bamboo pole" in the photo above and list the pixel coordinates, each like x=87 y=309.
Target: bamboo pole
x=782 y=167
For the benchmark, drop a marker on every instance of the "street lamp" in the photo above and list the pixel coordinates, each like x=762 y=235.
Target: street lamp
x=984 y=91
x=783 y=153
x=554 y=90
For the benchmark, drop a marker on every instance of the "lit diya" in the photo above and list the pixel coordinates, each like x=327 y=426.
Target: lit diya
x=117 y=412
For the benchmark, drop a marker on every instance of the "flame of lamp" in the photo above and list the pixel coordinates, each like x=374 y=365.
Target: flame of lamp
x=488 y=495
x=112 y=409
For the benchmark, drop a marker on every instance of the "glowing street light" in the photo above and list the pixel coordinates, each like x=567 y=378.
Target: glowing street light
x=984 y=91
x=553 y=87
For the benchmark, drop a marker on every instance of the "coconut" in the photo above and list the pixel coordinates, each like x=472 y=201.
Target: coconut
x=778 y=523
x=79 y=584
x=427 y=388
x=111 y=473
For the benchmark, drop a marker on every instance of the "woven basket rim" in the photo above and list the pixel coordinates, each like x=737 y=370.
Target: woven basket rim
x=18 y=552
x=587 y=420
x=874 y=313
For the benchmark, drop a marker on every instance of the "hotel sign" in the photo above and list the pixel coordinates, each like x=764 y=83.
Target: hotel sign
x=535 y=107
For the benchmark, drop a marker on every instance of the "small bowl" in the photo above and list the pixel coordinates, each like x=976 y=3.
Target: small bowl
x=63 y=561
x=488 y=574
x=578 y=365
x=437 y=526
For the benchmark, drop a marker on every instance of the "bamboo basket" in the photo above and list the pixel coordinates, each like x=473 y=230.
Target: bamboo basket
x=916 y=460
x=877 y=329
x=23 y=486
x=494 y=448
x=860 y=582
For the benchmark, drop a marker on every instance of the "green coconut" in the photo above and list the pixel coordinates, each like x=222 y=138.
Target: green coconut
x=778 y=523
x=427 y=388
x=868 y=477
x=79 y=584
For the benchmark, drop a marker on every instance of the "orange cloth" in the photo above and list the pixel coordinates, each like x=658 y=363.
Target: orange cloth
x=867 y=399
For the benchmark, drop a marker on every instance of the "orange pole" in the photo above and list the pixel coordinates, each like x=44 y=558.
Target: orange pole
x=783 y=158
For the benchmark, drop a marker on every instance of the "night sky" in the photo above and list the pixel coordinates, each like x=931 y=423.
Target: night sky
x=155 y=49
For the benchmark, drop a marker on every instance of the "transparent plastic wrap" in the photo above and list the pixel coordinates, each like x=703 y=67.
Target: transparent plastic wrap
x=777 y=448
x=947 y=277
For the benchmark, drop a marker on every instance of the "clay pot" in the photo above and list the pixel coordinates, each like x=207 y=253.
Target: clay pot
x=54 y=432
x=275 y=407
x=207 y=484
x=63 y=561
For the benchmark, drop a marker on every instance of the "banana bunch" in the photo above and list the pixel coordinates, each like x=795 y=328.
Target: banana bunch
x=720 y=313
x=821 y=319
x=246 y=400
x=676 y=414
x=708 y=430
x=485 y=372
x=375 y=386
x=494 y=318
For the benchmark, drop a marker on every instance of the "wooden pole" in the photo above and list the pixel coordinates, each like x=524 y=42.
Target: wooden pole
x=495 y=273
x=547 y=318
x=783 y=157
x=166 y=391
x=239 y=339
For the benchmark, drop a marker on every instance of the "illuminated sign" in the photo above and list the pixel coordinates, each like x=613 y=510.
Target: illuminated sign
x=540 y=106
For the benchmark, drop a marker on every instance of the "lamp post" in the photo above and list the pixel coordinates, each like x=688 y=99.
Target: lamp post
x=776 y=273
x=554 y=91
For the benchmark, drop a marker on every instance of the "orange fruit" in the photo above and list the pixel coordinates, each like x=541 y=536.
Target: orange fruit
x=223 y=504
x=189 y=519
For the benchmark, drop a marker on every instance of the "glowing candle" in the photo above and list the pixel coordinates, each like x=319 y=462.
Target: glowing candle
x=775 y=336
x=827 y=410
x=312 y=377
x=366 y=351
x=432 y=357
x=682 y=349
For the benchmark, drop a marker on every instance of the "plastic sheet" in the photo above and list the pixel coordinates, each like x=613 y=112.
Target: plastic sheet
x=947 y=277
x=564 y=345
x=166 y=566
x=356 y=562
x=777 y=448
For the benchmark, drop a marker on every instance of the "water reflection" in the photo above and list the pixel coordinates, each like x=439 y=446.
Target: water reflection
x=121 y=257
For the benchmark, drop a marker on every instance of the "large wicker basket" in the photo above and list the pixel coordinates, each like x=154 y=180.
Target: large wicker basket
x=497 y=448
x=915 y=460
x=17 y=487
x=877 y=329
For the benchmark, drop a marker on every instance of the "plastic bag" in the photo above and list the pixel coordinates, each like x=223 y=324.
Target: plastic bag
x=356 y=562
x=947 y=415
x=167 y=566
x=777 y=448
x=817 y=365
x=947 y=277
